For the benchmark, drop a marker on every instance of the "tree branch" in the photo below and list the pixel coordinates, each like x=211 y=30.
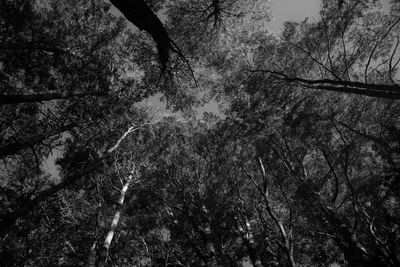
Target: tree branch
x=17 y=99
x=30 y=141
x=367 y=89
x=11 y=217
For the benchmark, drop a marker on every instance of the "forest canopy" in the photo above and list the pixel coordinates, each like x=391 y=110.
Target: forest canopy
x=299 y=167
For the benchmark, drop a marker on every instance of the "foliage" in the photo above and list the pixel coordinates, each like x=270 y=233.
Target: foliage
x=288 y=176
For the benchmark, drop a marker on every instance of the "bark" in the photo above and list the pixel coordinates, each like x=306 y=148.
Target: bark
x=140 y=14
x=248 y=240
x=367 y=89
x=212 y=260
x=107 y=242
x=28 y=142
x=18 y=99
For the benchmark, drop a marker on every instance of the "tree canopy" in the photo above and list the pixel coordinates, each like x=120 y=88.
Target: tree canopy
x=299 y=167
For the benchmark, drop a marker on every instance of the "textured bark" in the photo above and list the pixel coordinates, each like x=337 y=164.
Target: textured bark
x=107 y=242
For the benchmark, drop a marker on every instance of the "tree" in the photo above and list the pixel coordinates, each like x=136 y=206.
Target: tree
x=352 y=48
x=287 y=177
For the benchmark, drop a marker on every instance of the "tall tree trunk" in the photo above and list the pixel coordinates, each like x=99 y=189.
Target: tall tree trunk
x=287 y=239
x=212 y=259
x=107 y=242
x=248 y=240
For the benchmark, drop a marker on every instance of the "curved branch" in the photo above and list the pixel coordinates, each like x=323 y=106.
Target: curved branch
x=140 y=14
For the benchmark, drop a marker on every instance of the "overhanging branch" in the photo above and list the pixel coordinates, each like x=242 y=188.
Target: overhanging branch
x=367 y=89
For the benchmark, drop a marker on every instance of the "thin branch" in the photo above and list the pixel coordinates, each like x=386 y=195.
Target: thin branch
x=130 y=130
x=391 y=68
x=18 y=99
x=32 y=47
x=376 y=46
x=315 y=60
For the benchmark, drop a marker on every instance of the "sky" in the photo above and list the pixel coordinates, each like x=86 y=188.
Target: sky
x=293 y=10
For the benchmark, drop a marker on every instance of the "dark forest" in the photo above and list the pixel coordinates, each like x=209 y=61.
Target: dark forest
x=299 y=166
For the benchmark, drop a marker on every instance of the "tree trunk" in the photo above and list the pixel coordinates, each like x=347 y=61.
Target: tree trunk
x=107 y=242
x=212 y=260
x=354 y=253
x=140 y=14
x=10 y=218
x=248 y=240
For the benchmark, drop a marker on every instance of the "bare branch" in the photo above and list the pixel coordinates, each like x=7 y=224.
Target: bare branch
x=17 y=99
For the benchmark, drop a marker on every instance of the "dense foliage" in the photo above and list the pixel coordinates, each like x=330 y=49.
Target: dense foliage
x=300 y=168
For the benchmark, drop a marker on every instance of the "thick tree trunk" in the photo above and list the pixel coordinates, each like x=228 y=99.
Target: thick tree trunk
x=107 y=242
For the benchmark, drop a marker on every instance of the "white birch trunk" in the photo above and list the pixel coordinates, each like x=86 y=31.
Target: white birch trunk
x=107 y=242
